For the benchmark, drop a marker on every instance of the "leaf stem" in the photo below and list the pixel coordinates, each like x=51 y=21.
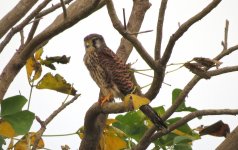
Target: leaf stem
x=31 y=90
x=54 y=135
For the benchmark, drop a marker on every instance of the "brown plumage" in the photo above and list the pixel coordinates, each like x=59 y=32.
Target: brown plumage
x=111 y=74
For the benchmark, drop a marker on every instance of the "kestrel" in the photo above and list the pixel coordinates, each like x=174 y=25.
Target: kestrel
x=112 y=75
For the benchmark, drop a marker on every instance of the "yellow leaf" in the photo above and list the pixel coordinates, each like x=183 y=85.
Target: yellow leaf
x=56 y=83
x=137 y=101
x=6 y=129
x=38 y=54
x=22 y=144
x=33 y=65
x=110 y=121
x=181 y=133
x=110 y=140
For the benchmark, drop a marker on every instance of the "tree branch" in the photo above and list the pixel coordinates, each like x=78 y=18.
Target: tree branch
x=184 y=120
x=159 y=33
x=183 y=28
x=94 y=122
x=50 y=118
x=135 y=42
x=22 y=24
x=13 y=16
x=139 y=9
x=196 y=114
x=76 y=12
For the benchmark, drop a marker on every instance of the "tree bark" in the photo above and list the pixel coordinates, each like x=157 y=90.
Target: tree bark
x=230 y=143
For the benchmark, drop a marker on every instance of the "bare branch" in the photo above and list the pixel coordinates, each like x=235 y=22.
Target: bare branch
x=184 y=27
x=33 y=30
x=226 y=52
x=223 y=70
x=225 y=42
x=50 y=118
x=133 y=26
x=76 y=12
x=196 y=114
x=136 y=43
x=64 y=8
x=182 y=121
x=22 y=24
x=51 y=9
x=159 y=33
x=10 y=19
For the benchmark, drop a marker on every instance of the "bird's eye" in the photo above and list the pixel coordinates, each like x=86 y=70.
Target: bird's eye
x=96 y=42
x=86 y=44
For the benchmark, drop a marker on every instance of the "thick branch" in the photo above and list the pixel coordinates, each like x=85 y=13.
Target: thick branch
x=13 y=16
x=159 y=33
x=136 y=43
x=182 y=121
x=184 y=27
x=76 y=12
x=95 y=120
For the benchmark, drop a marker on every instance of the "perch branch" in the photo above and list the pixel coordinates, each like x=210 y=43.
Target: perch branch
x=95 y=121
x=184 y=27
x=159 y=33
x=49 y=119
x=64 y=8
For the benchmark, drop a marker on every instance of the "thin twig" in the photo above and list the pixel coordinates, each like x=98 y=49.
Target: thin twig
x=136 y=33
x=124 y=19
x=225 y=42
x=136 y=43
x=196 y=114
x=50 y=118
x=184 y=27
x=159 y=33
x=64 y=8
x=33 y=30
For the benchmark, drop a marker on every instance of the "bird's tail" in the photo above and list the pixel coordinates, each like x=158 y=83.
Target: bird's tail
x=153 y=116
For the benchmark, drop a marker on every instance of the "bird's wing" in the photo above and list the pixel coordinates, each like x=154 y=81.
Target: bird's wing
x=115 y=68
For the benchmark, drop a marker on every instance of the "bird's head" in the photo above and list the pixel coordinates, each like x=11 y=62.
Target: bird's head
x=93 y=41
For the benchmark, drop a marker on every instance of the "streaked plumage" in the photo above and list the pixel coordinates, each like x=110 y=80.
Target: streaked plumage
x=110 y=73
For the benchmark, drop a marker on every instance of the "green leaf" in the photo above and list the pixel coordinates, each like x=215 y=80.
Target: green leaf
x=160 y=110
x=182 y=147
x=182 y=106
x=12 y=105
x=132 y=123
x=2 y=142
x=182 y=139
x=20 y=121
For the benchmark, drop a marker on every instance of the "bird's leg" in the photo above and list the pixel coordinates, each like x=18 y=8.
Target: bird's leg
x=105 y=99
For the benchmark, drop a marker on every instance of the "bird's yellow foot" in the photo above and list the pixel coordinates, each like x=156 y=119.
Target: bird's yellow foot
x=105 y=99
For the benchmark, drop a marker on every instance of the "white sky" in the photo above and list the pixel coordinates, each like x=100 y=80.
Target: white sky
x=202 y=39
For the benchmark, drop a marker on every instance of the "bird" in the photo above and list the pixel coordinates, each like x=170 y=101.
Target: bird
x=112 y=75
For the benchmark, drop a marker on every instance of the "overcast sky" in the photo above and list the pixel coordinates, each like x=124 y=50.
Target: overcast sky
x=202 y=39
